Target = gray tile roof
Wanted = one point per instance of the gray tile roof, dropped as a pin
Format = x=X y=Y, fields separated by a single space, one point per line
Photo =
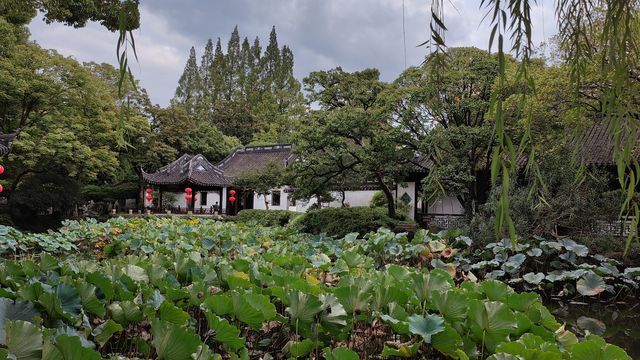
x=256 y=158
x=193 y=169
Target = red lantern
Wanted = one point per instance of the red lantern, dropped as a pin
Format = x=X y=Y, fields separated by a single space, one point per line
x=232 y=192
x=188 y=197
x=149 y=190
x=232 y=199
x=1 y=188
x=1 y=169
x=188 y=190
x=149 y=197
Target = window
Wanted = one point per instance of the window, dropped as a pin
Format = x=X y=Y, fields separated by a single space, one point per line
x=275 y=198
x=203 y=198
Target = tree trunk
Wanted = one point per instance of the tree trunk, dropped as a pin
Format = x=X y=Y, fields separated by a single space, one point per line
x=266 y=202
x=391 y=205
x=343 y=197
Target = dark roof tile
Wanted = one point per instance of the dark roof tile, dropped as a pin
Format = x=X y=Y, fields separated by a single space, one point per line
x=194 y=169
x=256 y=158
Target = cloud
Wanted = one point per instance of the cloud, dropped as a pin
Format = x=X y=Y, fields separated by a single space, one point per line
x=354 y=34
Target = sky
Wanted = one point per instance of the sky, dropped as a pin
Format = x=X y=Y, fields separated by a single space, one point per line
x=323 y=34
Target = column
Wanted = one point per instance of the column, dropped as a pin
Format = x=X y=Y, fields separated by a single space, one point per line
x=223 y=200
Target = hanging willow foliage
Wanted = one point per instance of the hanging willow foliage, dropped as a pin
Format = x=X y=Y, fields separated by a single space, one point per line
x=125 y=43
x=510 y=22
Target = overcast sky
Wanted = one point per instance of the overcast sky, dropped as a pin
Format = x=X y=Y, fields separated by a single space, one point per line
x=323 y=34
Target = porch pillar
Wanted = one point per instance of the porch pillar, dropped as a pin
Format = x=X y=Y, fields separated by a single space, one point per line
x=223 y=200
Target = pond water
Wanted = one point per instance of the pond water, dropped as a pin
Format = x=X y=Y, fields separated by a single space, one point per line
x=618 y=323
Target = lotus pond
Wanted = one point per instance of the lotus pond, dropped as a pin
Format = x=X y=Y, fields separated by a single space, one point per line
x=201 y=289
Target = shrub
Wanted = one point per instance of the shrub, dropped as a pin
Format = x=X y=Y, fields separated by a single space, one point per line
x=266 y=217
x=341 y=221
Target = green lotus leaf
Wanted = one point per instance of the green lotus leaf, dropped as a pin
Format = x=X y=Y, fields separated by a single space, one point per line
x=447 y=341
x=590 y=284
x=173 y=314
x=172 y=341
x=491 y=320
x=402 y=351
x=253 y=309
x=301 y=348
x=66 y=347
x=10 y=310
x=426 y=326
x=125 y=312
x=302 y=307
x=219 y=304
x=595 y=348
x=355 y=298
x=136 y=273
x=204 y=353
x=23 y=340
x=452 y=304
x=340 y=354
x=533 y=278
x=594 y=326
x=424 y=283
x=89 y=299
x=225 y=333
x=105 y=331
x=522 y=301
x=495 y=290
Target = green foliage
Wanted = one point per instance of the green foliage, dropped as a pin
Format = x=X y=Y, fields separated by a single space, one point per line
x=43 y=193
x=342 y=221
x=262 y=181
x=574 y=200
x=266 y=217
x=350 y=140
x=191 y=288
x=75 y=14
x=246 y=93
x=119 y=191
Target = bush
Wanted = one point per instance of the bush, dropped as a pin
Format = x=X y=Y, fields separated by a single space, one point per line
x=266 y=217
x=342 y=221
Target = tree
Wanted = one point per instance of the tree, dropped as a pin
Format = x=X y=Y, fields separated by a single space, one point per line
x=444 y=117
x=350 y=137
x=263 y=181
x=190 y=84
x=244 y=93
x=73 y=13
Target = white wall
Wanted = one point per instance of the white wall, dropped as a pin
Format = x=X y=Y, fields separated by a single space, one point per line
x=353 y=198
x=448 y=205
x=258 y=201
x=212 y=198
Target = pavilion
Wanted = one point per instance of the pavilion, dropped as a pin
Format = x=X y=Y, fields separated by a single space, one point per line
x=206 y=180
x=212 y=185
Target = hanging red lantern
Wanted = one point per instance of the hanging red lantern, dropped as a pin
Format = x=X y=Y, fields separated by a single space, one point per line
x=232 y=192
x=1 y=169
x=1 y=188
x=149 y=190
x=188 y=197
x=149 y=197
x=188 y=190
x=232 y=199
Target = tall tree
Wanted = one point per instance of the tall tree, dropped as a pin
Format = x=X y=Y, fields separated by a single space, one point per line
x=349 y=137
x=206 y=80
x=189 y=85
x=444 y=115
x=233 y=67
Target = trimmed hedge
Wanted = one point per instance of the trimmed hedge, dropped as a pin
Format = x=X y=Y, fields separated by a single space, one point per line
x=266 y=217
x=128 y=190
x=342 y=221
